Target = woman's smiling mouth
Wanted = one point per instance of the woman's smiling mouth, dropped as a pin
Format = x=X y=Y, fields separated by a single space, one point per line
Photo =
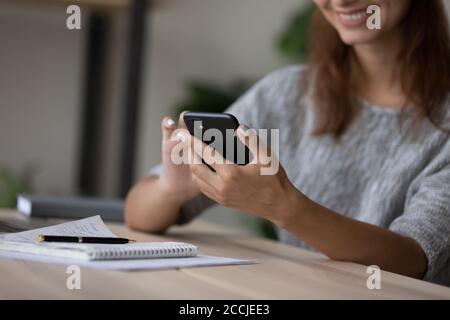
x=353 y=18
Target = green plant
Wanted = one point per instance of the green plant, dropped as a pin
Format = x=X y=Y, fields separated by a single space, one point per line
x=205 y=97
x=293 y=41
x=11 y=184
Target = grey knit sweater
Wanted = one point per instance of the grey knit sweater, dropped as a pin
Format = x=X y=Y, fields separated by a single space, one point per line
x=379 y=172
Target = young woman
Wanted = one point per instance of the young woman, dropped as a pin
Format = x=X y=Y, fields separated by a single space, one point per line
x=364 y=145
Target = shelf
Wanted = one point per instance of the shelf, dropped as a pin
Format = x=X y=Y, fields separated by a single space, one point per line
x=100 y=4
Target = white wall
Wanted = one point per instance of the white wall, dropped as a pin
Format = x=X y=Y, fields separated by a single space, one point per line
x=40 y=70
x=41 y=81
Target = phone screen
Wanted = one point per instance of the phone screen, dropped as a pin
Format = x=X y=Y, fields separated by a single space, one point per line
x=219 y=131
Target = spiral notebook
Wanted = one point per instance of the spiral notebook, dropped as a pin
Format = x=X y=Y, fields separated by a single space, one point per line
x=104 y=251
x=126 y=257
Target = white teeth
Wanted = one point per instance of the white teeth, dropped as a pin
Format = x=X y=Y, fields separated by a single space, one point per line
x=353 y=16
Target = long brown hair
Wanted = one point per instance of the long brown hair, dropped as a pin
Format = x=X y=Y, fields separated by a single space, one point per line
x=423 y=68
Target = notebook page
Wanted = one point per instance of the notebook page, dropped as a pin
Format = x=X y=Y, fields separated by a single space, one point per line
x=89 y=227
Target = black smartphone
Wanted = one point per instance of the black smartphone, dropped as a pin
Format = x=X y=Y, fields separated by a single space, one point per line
x=219 y=131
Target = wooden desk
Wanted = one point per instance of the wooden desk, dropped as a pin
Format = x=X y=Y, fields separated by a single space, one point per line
x=283 y=272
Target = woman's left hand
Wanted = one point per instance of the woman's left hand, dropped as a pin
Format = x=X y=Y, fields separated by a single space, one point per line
x=245 y=188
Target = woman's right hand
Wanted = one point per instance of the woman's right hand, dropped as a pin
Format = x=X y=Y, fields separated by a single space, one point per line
x=175 y=179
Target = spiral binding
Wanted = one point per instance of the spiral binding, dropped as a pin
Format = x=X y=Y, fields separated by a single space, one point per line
x=142 y=251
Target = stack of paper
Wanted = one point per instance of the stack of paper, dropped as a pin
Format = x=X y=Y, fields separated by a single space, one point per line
x=94 y=227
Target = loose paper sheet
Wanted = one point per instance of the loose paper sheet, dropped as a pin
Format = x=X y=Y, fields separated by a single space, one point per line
x=94 y=227
x=89 y=227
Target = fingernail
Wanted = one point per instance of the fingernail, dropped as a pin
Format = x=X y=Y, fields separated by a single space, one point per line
x=244 y=128
x=180 y=137
x=169 y=123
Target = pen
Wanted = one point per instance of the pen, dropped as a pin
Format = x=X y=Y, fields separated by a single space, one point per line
x=104 y=240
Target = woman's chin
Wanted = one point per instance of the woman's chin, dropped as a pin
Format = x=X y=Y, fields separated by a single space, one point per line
x=357 y=38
